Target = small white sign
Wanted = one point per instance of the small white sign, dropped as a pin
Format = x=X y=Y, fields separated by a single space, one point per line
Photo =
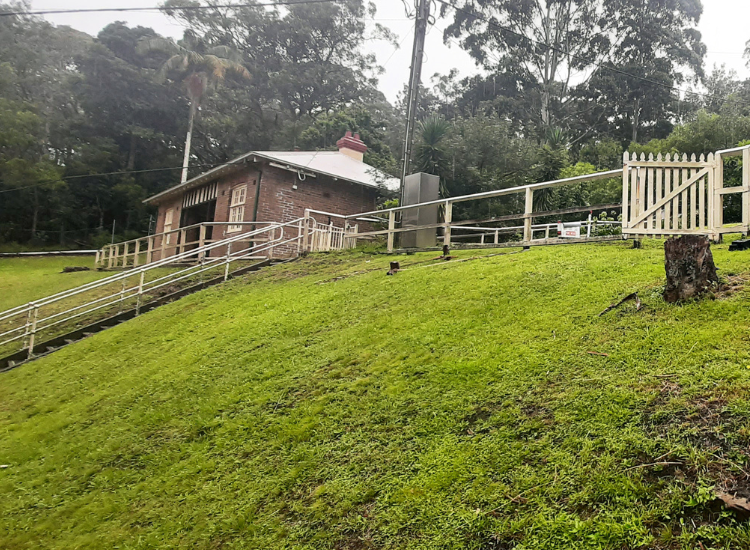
x=569 y=231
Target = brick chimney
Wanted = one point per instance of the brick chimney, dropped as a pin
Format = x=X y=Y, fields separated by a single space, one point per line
x=352 y=146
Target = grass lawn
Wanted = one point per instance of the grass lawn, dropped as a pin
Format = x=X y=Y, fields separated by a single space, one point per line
x=324 y=405
x=30 y=278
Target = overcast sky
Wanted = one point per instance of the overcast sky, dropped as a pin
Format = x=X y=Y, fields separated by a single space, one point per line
x=724 y=26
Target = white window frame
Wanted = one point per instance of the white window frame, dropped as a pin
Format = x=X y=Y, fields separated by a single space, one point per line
x=168 y=221
x=237 y=208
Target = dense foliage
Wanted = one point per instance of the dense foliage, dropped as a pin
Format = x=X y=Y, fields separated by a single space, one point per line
x=564 y=82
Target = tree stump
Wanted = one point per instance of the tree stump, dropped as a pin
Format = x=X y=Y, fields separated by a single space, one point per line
x=690 y=267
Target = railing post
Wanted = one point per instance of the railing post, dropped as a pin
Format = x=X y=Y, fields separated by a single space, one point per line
x=27 y=327
x=202 y=243
x=716 y=182
x=528 y=210
x=391 y=227
x=140 y=293
x=150 y=249
x=299 y=237
x=109 y=257
x=125 y=248
x=746 y=190
x=226 y=266
x=96 y=259
x=448 y=219
x=546 y=232
x=306 y=231
x=32 y=335
x=588 y=227
x=497 y=236
x=137 y=252
x=163 y=246
x=122 y=296
x=625 y=190
x=183 y=239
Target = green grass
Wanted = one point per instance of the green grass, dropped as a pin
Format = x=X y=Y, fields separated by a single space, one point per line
x=30 y=278
x=325 y=405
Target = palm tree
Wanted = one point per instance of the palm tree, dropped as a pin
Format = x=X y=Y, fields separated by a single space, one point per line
x=430 y=154
x=201 y=67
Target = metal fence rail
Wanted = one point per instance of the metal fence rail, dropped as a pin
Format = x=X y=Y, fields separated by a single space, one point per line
x=25 y=323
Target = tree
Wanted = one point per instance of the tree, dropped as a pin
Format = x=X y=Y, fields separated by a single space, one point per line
x=545 y=42
x=430 y=153
x=659 y=40
x=309 y=60
x=200 y=67
x=372 y=122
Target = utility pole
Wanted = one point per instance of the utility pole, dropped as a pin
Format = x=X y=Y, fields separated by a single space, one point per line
x=415 y=77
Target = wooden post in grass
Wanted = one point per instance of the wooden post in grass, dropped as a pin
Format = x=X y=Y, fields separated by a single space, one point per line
x=391 y=227
x=528 y=210
x=137 y=252
x=690 y=267
x=448 y=219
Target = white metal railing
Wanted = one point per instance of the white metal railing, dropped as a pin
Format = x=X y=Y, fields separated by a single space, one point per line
x=528 y=230
x=323 y=238
x=145 y=250
x=661 y=196
x=26 y=322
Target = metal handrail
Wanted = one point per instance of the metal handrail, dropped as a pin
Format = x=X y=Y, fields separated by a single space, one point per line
x=33 y=325
x=153 y=265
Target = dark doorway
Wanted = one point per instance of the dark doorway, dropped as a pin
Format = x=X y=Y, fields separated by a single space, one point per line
x=199 y=213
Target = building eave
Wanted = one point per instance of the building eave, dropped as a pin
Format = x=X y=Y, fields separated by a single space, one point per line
x=252 y=156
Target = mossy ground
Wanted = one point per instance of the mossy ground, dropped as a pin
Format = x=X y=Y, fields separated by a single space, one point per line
x=323 y=404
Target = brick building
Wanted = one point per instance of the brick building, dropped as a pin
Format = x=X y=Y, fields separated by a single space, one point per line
x=273 y=186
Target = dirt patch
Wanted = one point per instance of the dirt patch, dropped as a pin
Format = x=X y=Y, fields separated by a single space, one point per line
x=709 y=426
x=733 y=284
x=476 y=421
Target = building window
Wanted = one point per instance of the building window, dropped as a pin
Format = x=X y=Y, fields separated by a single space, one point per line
x=168 y=216
x=237 y=208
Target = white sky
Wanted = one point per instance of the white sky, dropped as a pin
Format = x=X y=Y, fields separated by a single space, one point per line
x=724 y=26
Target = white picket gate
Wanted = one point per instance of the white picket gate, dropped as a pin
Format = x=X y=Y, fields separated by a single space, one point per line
x=679 y=195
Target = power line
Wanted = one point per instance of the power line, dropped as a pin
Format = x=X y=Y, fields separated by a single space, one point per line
x=568 y=53
x=158 y=8
x=398 y=46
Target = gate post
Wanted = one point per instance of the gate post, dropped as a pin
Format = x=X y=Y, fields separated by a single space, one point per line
x=625 y=193
x=716 y=207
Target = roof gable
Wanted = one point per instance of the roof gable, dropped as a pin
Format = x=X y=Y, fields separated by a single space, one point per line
x=329 y=163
